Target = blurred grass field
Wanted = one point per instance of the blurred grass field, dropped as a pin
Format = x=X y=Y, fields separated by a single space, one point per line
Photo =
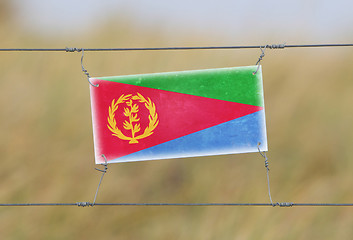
x=47 y=146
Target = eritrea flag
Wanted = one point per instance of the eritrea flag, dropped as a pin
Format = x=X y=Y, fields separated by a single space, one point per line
x=178 y=114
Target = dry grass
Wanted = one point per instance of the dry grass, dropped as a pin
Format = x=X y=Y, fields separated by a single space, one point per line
x=47 y=150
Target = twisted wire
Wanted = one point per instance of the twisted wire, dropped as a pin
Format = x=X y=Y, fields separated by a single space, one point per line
x=105 y=164
x=263 y=154
x=88 y=204
x=269 y=46
x=83 y=69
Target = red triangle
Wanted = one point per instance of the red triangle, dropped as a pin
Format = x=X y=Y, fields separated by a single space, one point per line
x=178 y=115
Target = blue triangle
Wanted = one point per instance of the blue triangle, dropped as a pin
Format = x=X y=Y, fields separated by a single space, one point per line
x=240 y=135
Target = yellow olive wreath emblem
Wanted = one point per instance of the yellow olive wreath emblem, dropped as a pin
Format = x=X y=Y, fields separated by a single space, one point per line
x=131 y=112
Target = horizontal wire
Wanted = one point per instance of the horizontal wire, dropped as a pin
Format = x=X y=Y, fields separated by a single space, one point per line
x=272 y=46
x=85 y=204
x=35 y=204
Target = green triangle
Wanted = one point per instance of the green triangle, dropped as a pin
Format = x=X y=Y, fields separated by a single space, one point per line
x=229 y=84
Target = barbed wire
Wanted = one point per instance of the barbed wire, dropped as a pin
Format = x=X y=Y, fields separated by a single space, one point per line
x=269 y=46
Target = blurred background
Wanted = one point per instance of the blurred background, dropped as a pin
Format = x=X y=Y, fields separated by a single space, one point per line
x=46 y=138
